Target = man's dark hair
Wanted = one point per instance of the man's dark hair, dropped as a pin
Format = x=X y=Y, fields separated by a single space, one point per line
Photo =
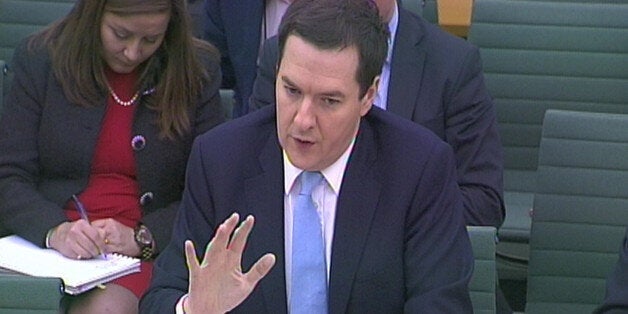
x=338 y=24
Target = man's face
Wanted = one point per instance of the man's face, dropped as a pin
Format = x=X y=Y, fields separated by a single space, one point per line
x=318 y=104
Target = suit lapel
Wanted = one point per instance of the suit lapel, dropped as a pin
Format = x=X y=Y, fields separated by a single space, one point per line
x=264 y=198
x=355 y=209
x=407 y=66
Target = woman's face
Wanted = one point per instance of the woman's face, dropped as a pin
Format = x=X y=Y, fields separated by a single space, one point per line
x=128 y=40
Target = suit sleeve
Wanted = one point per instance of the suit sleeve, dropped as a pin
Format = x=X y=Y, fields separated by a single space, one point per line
x=438 y=258
x=194 y=222
x=23 y=210
x=471 y=129
x=264 y=86
x=616 y=300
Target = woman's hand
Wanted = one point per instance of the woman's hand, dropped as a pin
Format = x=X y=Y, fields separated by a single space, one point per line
x=78 y=240
x=118 y=238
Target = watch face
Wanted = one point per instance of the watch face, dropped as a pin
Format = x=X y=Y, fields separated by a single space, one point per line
x=144 y=236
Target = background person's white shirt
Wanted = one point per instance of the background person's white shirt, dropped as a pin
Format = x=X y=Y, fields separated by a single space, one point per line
x=381 y=99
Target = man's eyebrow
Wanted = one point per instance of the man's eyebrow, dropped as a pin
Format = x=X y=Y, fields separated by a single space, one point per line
x=286 y=80
x=332 y=93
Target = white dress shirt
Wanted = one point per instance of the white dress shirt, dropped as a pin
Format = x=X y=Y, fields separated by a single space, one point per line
x=325 y=197
x=273 y=12
x=381 y=99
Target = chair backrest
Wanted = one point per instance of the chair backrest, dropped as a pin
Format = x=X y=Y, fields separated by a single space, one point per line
x=589 y=1
x=414 y=6
x=18 y=19
x=430 y=11
x=24 y=294
x=580 y=210
x=539 y=55
x=482 y=285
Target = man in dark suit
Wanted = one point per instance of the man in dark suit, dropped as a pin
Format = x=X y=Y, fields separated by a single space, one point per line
x=616 y=300
x=389 y=205
x=434 y=79
x=234 y=27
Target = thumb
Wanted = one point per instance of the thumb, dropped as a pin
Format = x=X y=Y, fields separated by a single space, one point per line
x=190 y=258
x=260 y=268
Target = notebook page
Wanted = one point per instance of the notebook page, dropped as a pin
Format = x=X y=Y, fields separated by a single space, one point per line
x=24 y=257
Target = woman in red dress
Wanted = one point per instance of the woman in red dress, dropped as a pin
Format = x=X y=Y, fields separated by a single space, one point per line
x=103 y=108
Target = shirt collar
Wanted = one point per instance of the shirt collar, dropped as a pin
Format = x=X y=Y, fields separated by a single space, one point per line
x=333 y=174
x=392 y=28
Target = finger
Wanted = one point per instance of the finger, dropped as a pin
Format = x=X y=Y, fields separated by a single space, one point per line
x=190 y=257
x=100 y=223
x=260 y=269
x=80 y=252
x=221 y=237
x=81 y=239
x=94 y=235
x=240 y=236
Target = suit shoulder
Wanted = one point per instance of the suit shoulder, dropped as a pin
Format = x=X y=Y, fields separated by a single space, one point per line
x=435 y=39
x=392 y=129
x=243 y=131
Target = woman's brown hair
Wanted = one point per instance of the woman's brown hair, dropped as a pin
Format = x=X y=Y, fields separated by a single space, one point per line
x=175 y=70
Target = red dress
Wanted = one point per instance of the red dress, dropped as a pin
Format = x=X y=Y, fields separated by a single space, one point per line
x=112 y=190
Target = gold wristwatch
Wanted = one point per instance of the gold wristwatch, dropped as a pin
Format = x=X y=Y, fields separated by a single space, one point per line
x=144 y=240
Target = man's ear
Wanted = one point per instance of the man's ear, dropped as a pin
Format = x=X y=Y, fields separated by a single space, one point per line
x=369 y=97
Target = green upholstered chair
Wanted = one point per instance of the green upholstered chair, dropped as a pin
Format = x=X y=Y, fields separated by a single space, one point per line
x=482 y=285
x=580 y=210
x=18 y=19
x=539 y=55
x=414 y=6
x=430 y=11
x=589 y=1
x=29 y=295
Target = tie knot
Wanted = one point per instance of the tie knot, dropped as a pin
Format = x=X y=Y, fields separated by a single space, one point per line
x=309 y=180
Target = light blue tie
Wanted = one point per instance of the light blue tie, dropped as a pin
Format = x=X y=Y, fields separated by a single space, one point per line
x=309 y=272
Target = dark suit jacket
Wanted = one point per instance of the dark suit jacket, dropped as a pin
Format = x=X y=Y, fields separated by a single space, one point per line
x=399 y=242
x=436 y=80
x=234 y=27
x=47 y=145
x=616 y=300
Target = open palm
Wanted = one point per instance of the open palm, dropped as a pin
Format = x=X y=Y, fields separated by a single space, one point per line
x=217 y=284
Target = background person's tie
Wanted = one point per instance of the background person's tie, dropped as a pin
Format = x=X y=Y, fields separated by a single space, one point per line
x=309 y=272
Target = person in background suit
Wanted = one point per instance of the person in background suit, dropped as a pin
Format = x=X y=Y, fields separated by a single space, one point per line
x=237 y=29
x=102 y=111
x=434 y=79
x=616 y=300
x=196 y=9
x=389 y=209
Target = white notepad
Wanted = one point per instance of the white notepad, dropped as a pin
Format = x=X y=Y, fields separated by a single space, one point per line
x=78 y=276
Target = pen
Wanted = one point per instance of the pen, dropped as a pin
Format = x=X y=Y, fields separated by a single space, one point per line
x=83 y=213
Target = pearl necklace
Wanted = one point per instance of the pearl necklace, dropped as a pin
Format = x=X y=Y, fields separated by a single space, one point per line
x=123 y=103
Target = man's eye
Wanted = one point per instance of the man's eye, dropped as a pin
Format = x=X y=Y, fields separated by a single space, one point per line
x=291 y=90
x=331 y=101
